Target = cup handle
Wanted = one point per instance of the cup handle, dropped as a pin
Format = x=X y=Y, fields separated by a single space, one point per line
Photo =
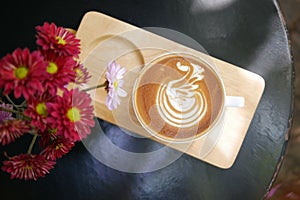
x=234 y=101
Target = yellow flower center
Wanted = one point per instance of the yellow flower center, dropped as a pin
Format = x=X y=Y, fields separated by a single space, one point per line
x=73 y=114
x=41 y=109
x=52 y=68
x=59 y=146
x=21 y=72
x=52 y=131
x=79 y=75
x=60 y=40
x=116 y=83
x=28 y=167
x=79 y=72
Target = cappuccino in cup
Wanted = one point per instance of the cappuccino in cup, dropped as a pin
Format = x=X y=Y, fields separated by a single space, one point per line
x=178 y=97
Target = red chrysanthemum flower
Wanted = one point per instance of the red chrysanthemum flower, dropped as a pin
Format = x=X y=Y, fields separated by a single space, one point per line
x=27 y=166
x=57 y=148
x=72 y=115
x=47 y=136
x=37 y=110
x=60 y=71
x=10 y=130
x=58 y=40
x=82 y=74
x=22 y=73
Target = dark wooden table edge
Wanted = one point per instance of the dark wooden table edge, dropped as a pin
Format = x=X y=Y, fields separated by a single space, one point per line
x=290 y=121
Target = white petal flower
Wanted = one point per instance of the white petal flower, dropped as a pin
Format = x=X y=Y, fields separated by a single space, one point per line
x=114 y=76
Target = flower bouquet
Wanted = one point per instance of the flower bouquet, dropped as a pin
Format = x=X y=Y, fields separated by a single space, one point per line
x=41 y=96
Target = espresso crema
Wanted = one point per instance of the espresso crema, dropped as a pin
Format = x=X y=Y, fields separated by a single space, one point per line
x=178 y=97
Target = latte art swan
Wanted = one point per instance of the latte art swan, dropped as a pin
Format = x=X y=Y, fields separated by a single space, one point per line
x=178 y=97
x=181 y=102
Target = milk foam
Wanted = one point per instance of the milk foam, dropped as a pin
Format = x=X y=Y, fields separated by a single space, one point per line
x=181 y=103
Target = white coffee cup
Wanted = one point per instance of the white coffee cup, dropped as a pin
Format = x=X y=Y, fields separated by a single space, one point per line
x=179 y=97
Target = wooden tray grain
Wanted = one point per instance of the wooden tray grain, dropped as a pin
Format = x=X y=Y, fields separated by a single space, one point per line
x=104 y=38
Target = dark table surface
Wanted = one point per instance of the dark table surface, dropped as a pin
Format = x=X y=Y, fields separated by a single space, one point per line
x=249 y=34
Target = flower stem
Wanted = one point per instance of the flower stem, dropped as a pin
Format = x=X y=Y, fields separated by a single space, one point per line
x=32 y=143
x=9 y=110
x=16 y=112
x=9 y=99
x=95 y=87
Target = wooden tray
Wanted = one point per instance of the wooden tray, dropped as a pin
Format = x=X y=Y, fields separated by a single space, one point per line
x=104 y=38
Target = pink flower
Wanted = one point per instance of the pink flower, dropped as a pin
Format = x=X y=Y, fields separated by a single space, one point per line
x=82 y=74
x=285 y=190
x=292 y=196
x=27 y=166
x=72 y=115
x=5 y=115
x=10 y=130
x=57 y=148
x=273 y=191
x=47 y=136
x=114 y=76
x=37 y=110
x=22 y=72
x=60 y=71
x=50 y=111
x=57 y=40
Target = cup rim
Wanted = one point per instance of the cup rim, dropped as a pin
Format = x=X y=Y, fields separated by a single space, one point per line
x=196 y=136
